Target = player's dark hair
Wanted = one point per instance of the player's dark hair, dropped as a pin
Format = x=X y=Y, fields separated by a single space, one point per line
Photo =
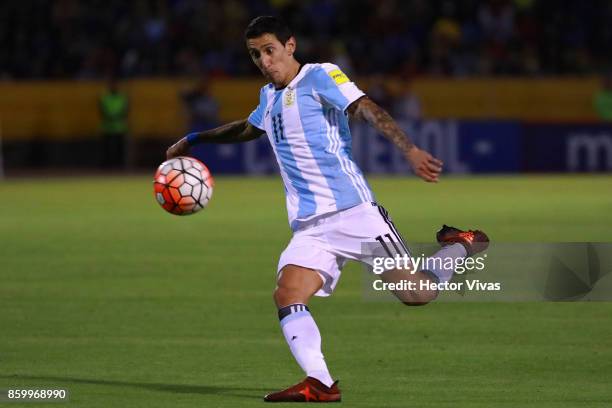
x=268 y=25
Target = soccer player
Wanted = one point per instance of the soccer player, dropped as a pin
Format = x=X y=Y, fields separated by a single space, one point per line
x=304 y=111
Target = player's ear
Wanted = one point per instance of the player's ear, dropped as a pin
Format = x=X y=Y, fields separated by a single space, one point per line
x=290 y=46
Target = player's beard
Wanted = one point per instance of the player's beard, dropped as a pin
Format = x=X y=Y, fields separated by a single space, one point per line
x=274 y=77
x=266 y=75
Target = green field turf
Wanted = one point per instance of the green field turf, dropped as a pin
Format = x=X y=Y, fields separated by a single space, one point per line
x=104 y=294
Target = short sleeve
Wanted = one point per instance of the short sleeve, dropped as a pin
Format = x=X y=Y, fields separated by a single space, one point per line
x=256 y=118
x=335 y=88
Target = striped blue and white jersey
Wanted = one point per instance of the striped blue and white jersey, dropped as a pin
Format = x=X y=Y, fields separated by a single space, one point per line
x=308 y=129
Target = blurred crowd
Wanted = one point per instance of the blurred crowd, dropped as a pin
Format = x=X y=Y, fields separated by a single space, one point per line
x=101 y=38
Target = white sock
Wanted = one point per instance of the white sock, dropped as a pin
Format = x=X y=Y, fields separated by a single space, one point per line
x=304 y=340
x=443 y=272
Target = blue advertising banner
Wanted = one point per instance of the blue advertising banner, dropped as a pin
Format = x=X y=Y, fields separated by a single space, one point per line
x=566 y=148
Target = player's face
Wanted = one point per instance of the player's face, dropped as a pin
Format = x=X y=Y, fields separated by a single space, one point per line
x=272 y=57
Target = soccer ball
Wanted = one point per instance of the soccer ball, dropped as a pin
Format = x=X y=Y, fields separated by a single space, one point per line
x=183 y=185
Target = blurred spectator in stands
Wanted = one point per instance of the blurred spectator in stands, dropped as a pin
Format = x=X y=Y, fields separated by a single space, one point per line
x=379 y=91
x=444 y=42
x=78 y=39
x=114 y=109
x=496 y=19
x=603 y=99
x=201 y=107
x=187 y=62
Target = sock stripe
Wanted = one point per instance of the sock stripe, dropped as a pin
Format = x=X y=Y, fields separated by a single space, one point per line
x=290 y=309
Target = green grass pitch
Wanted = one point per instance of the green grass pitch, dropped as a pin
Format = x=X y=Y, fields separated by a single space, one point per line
x=104 y=294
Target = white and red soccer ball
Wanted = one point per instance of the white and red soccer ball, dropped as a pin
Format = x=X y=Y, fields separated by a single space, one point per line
x=183 y=185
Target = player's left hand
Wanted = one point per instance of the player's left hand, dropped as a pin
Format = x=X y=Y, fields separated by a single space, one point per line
x=424 y=164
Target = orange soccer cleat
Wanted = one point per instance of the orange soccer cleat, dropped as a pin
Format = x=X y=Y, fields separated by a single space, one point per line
x=474 y=241
x=309 y=390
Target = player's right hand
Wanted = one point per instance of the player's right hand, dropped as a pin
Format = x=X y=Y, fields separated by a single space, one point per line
x=425 y=165
x=180 y=148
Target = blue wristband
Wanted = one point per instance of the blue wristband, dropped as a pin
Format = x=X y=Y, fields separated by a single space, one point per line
x=192 y=138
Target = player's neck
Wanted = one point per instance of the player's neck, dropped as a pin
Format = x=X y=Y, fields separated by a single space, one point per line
x=293 y=72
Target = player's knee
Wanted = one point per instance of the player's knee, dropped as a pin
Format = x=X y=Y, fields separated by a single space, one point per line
x=278 y=294
x=284 y=296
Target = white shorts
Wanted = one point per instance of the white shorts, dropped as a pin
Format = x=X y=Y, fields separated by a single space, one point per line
x=327 y=242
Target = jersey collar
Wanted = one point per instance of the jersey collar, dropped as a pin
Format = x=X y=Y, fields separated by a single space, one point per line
x=301 y=72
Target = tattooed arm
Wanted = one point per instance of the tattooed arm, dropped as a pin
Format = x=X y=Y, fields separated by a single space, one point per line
x=424 y=164
x=235 y=132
